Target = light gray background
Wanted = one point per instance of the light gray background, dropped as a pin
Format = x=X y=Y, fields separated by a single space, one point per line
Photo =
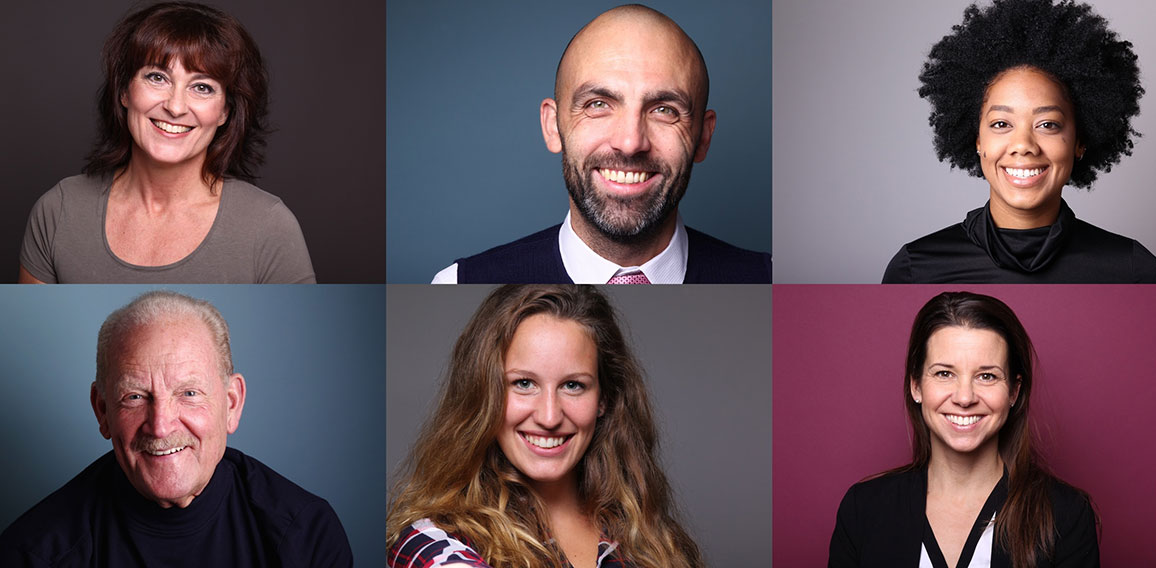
x=707 y=354
x=466 y=165
x=326 y=83
x=313 y=361
x=857 y=176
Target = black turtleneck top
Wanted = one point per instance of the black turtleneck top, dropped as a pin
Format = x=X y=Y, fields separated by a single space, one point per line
x=247 y=515
x=1069 y=251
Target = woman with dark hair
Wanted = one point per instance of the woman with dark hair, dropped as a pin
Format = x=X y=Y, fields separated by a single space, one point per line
x=165 y=195
x=1030 y=95
x=543 y=449
x=975 y=494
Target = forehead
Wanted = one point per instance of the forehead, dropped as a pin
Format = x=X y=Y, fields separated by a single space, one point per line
x=1026 y=88
x=631 y=52
x=546 y=341
x=961 y=345
x=170 y=343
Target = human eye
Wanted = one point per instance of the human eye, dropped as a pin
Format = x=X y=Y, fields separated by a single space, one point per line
x=1051 y=125
x=666 y=112
x=1000 y=125
x=942 y=374
x=574 y=386
x=204 y=89
x=155 y=77
x=522 y=384
x=987 y=378
x=596 y=107
x=190 y=393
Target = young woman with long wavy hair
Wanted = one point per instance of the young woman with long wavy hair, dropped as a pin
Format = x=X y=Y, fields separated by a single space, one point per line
x=543 y=449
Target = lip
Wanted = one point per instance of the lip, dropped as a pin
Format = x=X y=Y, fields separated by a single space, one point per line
x=156 y=127
x=967 y=428
x=627 y=189
x=171 y=455
x=1028 y=181
x=546 y=452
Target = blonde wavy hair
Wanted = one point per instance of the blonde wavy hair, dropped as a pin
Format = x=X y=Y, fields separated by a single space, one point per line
x=475 y=493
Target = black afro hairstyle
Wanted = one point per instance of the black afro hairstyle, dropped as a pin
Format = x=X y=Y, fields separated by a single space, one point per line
x=1064 y=40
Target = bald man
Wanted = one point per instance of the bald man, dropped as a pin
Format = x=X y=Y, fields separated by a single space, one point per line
x=629 y=117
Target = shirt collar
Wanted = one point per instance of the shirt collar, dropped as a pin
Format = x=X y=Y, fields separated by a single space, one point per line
x=585 y=266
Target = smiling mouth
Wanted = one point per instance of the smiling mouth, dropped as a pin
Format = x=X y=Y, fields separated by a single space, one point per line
x=962 y=420
x=170 y=127
x=621 y=176
x=1022 y=173
x=545 y=442
x=167 y=452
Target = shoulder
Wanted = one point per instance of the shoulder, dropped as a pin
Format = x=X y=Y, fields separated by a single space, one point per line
x=1069 y=504
x=424 y=545
x=63 y=525
x=79 y=189
x=249 y=198
x=718 y=261
x=288 y=511
x=886 y=490
x=534 y=258
x=1127 y=255
x=1076 y=524
x=908 y=265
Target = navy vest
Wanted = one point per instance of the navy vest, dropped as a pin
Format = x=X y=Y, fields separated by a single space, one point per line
x=535 y=259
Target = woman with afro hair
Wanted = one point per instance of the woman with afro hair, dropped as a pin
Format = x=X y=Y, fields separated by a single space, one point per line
x=1032 y=96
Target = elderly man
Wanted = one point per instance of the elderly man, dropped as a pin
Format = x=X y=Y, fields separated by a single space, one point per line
x=629 y=117
x=171 y=493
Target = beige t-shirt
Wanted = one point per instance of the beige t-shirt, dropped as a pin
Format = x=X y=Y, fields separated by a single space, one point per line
x=254 y=239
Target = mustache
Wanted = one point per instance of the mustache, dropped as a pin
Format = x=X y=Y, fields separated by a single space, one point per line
x=150 y=444
x=619 y=161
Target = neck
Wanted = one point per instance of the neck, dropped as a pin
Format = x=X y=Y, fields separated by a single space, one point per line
x=633 y=253
x=953 y=472
x=162 y=184
x=1006 y=217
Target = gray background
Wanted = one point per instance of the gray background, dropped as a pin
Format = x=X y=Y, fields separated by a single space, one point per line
x=707 y=354
x=857 y=175
x=467 y=167
x=312 y=359
x=325 y=158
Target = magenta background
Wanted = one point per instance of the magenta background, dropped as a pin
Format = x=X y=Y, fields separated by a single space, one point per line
x=838 y=402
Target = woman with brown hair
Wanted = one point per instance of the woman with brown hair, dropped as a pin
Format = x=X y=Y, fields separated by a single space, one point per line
x=165 y=196
x=542 y=451
x=976 y=493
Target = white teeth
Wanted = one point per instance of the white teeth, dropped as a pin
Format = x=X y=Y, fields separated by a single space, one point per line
x=171 y=128
x=166 y=452
x=962 y=420
x=620 y=176
x=1022 y=173
x=542 y=442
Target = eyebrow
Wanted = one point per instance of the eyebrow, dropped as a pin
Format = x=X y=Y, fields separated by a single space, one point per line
x=669 y=95
x=1037 y=110
x=197 y=76
x=980 y=368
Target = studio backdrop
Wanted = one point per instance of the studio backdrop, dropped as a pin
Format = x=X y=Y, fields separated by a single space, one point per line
x=840 y=415
x=314 y=371
x=705 y=351
x=466 y=166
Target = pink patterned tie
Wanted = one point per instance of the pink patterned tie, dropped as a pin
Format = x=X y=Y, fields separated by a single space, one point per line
x=632 y=278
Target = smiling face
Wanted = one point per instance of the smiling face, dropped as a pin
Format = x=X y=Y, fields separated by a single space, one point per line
x=552 y=398
x=629 y=121
x=173 y=114
x=167 y=409
x=1027 y=146
x=965 y=391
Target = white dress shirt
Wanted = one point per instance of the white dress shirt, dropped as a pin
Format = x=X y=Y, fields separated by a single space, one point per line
x=584 y=266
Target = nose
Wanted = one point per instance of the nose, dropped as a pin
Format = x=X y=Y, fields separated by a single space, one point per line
x=549 y=412
x=964 y=393
x=175 y=103
x=162 y=418
x=1024 y=142
x=630 y=133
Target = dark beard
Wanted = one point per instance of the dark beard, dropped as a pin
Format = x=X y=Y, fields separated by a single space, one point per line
x=630 y=220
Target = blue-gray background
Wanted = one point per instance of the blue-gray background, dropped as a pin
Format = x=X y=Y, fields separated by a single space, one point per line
x=313 y=358
x=466 y=167
x=857 y=175
x=706 y=351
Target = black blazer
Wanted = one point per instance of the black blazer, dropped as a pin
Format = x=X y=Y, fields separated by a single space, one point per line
x=881 y=523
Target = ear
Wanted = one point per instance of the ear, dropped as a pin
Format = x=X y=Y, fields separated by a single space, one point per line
x=224 y=117
x=1080 y=149
x=549 y=116
x=124 y=99
x=235 y=399
x=100 y=409
x=708 y=121
x=1014 y=395
x=916 y=391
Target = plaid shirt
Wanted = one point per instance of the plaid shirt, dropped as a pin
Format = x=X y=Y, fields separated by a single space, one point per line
x=423 y=545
